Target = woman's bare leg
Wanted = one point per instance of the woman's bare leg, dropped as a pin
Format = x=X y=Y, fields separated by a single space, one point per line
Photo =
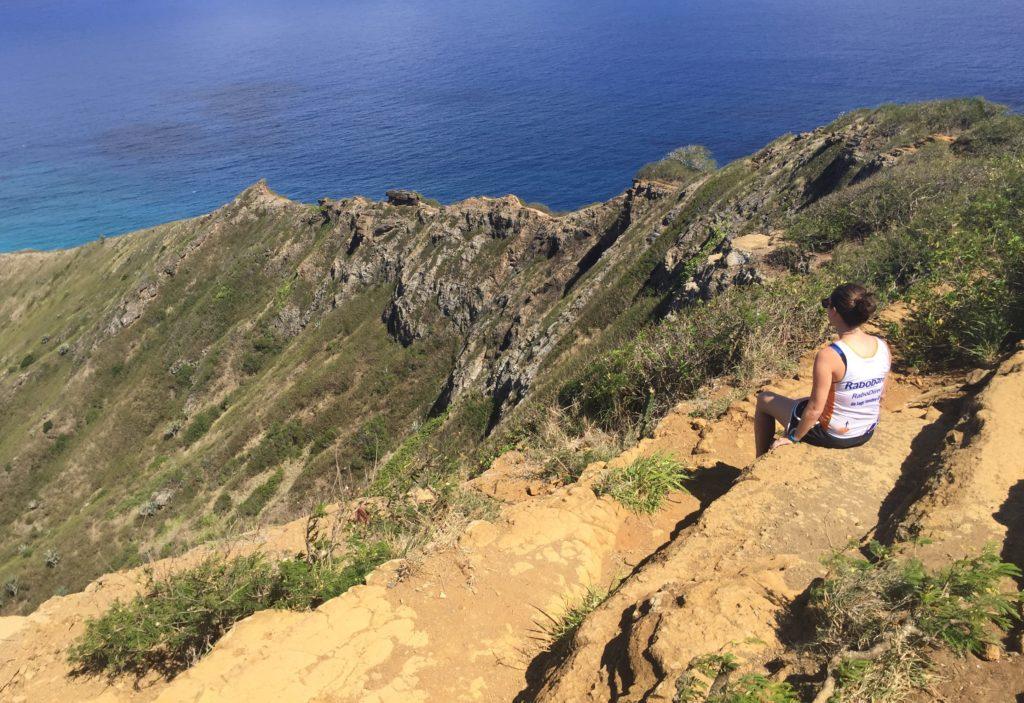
x=771 y=407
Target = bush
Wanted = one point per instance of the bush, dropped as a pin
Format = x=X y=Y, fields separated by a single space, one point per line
x=201 y=424
x=178 y=619
x=395 y=476
x=322 y=440
x=695 y=685
x=283 y=440
x=749 y=332
x=263 y=347
x=683 y=164
x=969 y=306
x=566 y=464
x=643 y=485
x=877 y=619
x=261 y=495
x=27 y=360
x=223 y=504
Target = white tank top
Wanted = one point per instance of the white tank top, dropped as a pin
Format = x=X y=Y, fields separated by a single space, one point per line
x=853 y=401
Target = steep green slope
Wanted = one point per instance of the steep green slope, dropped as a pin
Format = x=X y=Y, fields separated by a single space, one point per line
x=178 y=383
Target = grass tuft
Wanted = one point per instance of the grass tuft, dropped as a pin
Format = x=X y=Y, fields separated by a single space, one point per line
x=877 y=620
x=643 y=485
x=565 y=626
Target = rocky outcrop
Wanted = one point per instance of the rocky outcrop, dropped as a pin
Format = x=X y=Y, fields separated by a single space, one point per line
x=764 y=190
x=403 y=197
x=486 y=271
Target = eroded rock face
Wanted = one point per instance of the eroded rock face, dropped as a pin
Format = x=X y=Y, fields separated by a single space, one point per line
x=485 y=271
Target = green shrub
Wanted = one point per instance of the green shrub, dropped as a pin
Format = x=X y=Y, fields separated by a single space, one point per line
x=395 y=476
x=540 y=206
x=564 y=626
x=877 y=620
x=223 y=504
x=263 y=347
x=566 y=464
x=261 y=495
x=178 y=619
x=283 y=440
x=47 y=426
x=683 y=164
x=695 y=684
x=969 y=307
x=322 y=440
x=643 y=485
x=201 y=424
x=369 y=443
x=27 y=360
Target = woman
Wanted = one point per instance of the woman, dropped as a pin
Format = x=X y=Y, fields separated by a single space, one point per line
x=849 y=378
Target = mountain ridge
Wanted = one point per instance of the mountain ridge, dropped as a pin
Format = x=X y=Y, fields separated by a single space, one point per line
x=159 y=381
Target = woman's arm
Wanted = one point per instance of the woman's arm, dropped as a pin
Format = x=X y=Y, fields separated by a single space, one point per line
x=825 y=364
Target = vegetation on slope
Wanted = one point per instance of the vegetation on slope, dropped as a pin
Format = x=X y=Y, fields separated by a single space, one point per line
x=242 y=385
x=877 y=624
x=878 y=620
x=950 y=247
x=178 y=619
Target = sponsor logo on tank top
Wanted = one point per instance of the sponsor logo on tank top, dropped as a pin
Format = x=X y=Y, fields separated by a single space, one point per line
x=858 y=385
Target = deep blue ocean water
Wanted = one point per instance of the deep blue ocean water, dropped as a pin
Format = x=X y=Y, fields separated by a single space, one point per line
x=120 y=114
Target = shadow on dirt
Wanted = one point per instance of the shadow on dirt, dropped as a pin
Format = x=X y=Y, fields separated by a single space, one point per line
x=917 y=471
x=707 y=486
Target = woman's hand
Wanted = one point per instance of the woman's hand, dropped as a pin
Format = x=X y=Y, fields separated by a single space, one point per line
x=781 y=442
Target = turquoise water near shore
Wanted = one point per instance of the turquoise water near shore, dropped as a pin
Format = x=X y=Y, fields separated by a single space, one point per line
x=117 y=115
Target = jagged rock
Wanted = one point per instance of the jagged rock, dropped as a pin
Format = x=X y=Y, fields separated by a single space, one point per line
x=157 y=502
x=403 y=197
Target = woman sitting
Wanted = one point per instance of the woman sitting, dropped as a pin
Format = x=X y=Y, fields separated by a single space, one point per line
x=849 y=378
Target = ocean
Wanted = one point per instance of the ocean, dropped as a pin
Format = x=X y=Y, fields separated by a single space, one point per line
x=118 y=115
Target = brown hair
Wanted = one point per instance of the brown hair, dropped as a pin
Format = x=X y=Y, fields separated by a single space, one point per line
x=854 y=303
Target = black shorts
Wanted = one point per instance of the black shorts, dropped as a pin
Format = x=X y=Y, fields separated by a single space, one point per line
x=818 y=437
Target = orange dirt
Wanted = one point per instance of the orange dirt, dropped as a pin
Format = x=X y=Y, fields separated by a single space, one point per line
x=713 y=571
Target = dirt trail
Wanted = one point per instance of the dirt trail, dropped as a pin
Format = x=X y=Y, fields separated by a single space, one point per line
x=977 y=496
x=723 y=584
x=710 y=570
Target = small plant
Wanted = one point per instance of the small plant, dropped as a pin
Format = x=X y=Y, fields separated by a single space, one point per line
x=643 y=485
x=565 y=626
x=878 y=619
x=566 y=464
x=27 y=360
x=47 y=426
x=51 y=558
x=283 y=440
x=707 y=680
x=201 y=424
x=261 y=495
x=12 y=587
x=223 y=504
